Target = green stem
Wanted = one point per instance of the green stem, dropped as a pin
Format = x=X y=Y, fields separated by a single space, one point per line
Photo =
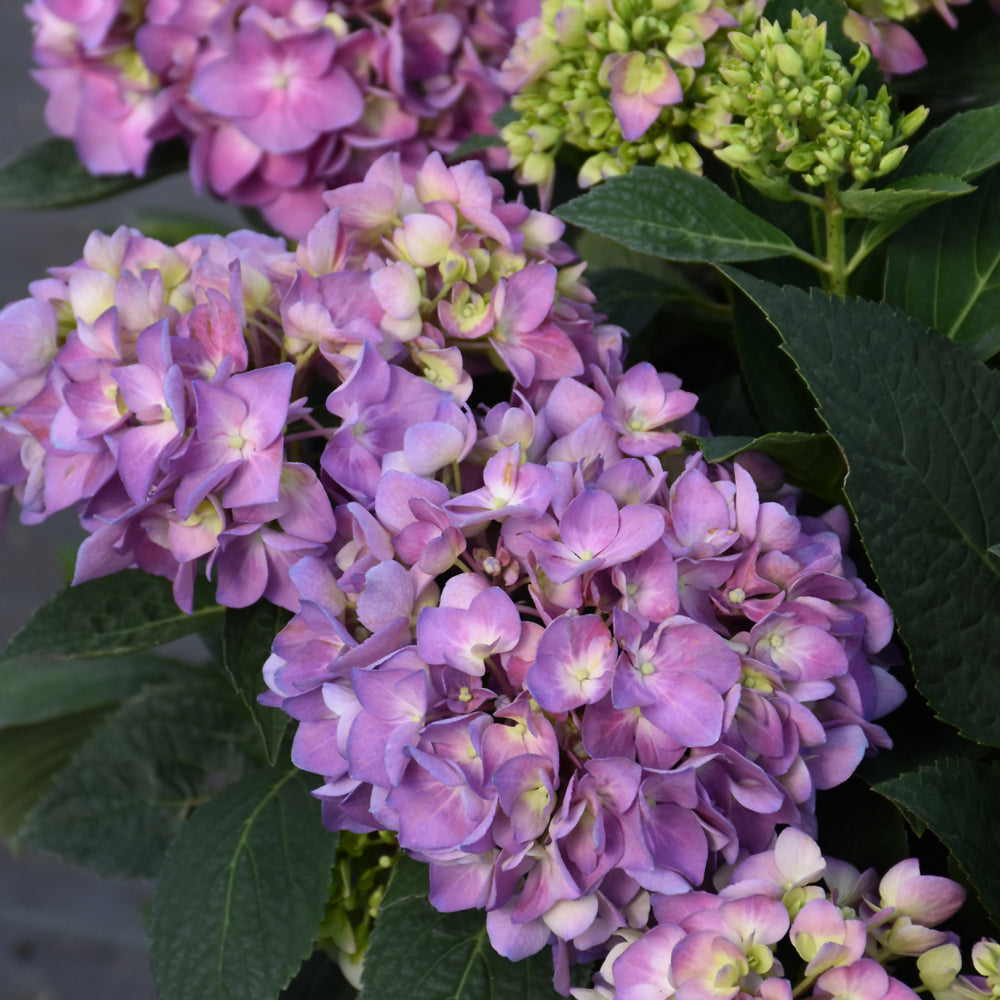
x=836 y=270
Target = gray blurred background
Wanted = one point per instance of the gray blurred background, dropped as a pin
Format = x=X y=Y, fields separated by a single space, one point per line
x=64 y=935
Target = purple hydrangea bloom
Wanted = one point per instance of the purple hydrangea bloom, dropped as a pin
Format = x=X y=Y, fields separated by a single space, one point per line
x=278 y=101
x=574 y=668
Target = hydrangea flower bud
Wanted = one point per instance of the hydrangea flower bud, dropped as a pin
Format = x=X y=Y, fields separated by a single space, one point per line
x=798 y=112
x=619 y=80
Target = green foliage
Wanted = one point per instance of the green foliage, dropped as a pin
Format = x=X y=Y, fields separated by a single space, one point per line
x=37 y=690
x=780 y=399
x=111 y=616
x=50 y=175
x=247 y=639
x=945 y=269
x=123 y=797
x=241 y=891
x=964 y=146
x=958 y=801
x=812 y=461
x=669 y=213
x=417 y=952
x=903 y=198
x=30 y=756
x=919 y=423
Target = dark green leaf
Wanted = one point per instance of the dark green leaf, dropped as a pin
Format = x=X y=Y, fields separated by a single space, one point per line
x=964 y=146
x=242 y=891
x=474 y=144
x=116 y=614
x=29 y=758
x=670 y=213
x=121 y=800
x=247 y=640
x=902 y=199
x=35 y=690
x=417 y=952
x=917 y=739
x=177 y=227
x=630 y=299
x=779 y=396
x=811 y=461
x=958 y=800
x=919 y=423
x=50 y=175
x=945 y=269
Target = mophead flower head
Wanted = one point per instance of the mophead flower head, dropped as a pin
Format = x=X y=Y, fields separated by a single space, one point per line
x=619 y=80
x=277 y=102
x=563 y=678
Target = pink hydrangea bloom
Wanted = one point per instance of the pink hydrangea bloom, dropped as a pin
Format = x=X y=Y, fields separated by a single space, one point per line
x=278 y=102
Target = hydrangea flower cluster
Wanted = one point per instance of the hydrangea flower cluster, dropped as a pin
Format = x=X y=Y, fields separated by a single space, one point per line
x=845 y=933
x=620 y=79
x=566 y=663
x=153 y=386
x=800 y=112
x=279 y=100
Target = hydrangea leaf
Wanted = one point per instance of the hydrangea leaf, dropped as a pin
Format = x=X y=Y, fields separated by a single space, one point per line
x=958 y=800
x=779 y=397
x=670 y=213
x=242 y=891
x=945 y=269
x=30 y=756
x=919 y=423
x=964 y=146
x=114 y=615
x=50 y=175
x=247 y=639
x=811 y=461
x=903 y=199
x=417 y=952
x=123 y=797
x=35 y=690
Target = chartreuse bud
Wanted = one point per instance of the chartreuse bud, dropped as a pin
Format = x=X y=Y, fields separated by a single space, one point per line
x=797 y=111
x=938 y=967
x=621 y=80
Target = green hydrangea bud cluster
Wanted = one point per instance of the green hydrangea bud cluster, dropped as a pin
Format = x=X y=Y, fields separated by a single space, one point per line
x=573 y=64
x=798 y=111
x=360 y=874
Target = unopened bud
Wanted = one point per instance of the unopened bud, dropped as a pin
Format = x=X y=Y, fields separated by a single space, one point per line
x=892 y=159
x=618 y=37
x=789 y=61
x=939 y=966
x=909 y=123
x=744 y=46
